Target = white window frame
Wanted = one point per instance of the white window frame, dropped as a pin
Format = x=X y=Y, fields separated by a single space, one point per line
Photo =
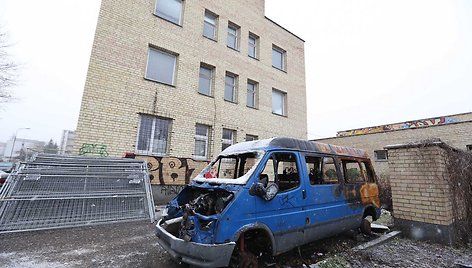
x=166 y=16
x=207 y=21
x=235 y=35
x=233 y=86
x=253 y=47
x=282 y=57
x=227 y=142
x=254 y=92
x=284 y=101
x=173 y=68
x=206 y=139
x=211 y=78
x=152 y=140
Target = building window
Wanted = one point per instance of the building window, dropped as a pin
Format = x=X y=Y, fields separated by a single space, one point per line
x=170 y=10
x=209 y=25
x=202 y=133
x=381 y=155
x=161 y=66
x=278 y=58
x=253 y=43
x=205 y=83
x=233 y=36
x=251 y=137
x=469 y=147
x=279 y=100
x=229 y=137
x=230 y=87
x=252 y=94
x=153 y=136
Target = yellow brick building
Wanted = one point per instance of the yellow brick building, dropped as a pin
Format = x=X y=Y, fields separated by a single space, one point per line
x=181 y=80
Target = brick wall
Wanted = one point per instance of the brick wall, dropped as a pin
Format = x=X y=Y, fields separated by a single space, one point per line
x=116 y=91
x=423 y=201
x=456 y=135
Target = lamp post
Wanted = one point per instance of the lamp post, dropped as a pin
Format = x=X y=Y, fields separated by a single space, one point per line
x=14 y=140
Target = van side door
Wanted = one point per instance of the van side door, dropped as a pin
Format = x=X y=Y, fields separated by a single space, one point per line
x=325 y=200
x=284 y=214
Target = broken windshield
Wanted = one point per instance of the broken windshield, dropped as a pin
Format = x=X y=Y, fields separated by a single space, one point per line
x=232 y=167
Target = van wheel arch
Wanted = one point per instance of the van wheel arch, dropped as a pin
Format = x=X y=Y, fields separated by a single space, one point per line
x=258 y=227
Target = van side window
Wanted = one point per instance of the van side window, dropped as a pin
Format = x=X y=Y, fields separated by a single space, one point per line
x=321 y=170
x=329 y=171
x=352 y=172
x=368 y=171
x=282 y=169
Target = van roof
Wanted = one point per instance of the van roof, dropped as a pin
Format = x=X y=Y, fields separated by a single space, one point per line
x=294 y=144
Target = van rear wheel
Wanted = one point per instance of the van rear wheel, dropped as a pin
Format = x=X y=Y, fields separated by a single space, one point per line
x=365 y=227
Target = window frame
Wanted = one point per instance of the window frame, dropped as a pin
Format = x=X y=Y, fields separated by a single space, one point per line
x=275 y=166
x=255 y=93
x=284 y=102
x=283 y=58
x=208 y=14
x=253 y=137
x=236 y=35
x=321 y=180
x=345 y=161
x=152 y=139
x=376 y=154
x=255 y=46
x=211 y=78
x=174 y=70
x=167 y=17
x=227 y=142
x=206 y=139
x=234 y=87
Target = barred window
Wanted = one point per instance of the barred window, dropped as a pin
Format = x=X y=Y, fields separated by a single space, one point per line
x=153 y=136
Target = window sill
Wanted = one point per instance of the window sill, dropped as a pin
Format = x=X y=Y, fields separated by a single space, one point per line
x=209 y=38
x=381 y=160
x=142 y=153
x=162 y=18
x=282 y=70
x=254 y=108
x=200 y=158
x=206 y=95
x=232 y=48
x=159 y=82
x=282 y=115
x=254 y=58
x=233 y=102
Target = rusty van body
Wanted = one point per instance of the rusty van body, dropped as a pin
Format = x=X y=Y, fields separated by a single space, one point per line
x=262 y=198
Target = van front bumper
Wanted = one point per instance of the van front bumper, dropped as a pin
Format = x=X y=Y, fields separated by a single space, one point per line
x=204 y=255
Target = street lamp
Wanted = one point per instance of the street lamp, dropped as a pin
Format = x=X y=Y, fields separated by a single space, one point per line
x=14 y=140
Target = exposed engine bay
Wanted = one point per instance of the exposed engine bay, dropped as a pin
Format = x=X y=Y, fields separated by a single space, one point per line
x=193 y=215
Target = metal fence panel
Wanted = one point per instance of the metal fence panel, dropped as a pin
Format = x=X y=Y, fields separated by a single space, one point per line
x=62 y=191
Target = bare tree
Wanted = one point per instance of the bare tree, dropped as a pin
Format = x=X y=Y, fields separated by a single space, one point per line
x=8 y=69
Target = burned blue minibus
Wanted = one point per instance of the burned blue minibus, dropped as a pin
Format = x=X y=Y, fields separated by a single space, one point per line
x=263 y=198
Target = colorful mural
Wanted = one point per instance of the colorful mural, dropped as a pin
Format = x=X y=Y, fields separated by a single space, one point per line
x=404 y=125
x=172 y=170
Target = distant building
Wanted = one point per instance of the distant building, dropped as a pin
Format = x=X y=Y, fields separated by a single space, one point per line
x=28 y=146
x=3 y=145
x=67 y=142
x=455 y=130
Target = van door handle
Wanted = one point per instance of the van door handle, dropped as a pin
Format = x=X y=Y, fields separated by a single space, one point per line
x=304 y=194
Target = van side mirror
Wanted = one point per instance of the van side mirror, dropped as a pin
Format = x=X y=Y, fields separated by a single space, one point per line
x=268 y=193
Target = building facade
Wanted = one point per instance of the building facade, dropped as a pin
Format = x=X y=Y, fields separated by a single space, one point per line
x=454 y=130
x=17 y=148
x=175 y=82
x=67 y=142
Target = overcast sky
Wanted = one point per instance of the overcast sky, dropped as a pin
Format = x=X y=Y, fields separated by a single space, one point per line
x=368 y=62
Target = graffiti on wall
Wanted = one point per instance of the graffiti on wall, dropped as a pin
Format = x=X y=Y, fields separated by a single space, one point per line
x=172 y=170
x=404 y=125
x=93 y=149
